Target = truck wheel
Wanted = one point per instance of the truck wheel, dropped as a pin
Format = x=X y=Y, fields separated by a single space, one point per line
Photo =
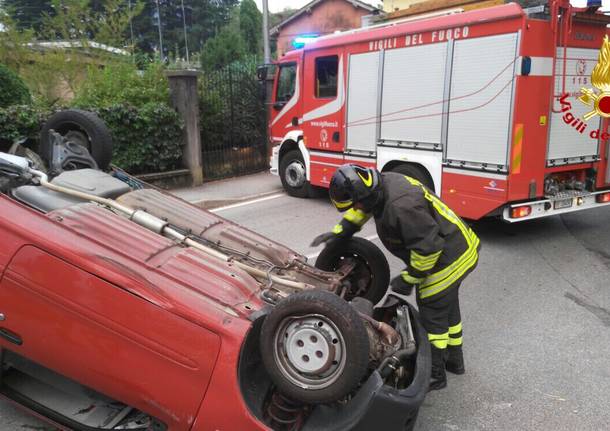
x=294 y=175
x=315 y=347
x=419 y=173
x=83 y=128
x=371 y=276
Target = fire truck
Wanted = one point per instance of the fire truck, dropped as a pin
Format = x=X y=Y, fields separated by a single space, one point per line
x=484 y=107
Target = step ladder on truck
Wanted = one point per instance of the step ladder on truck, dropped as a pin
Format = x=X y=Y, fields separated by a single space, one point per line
x=486 y=107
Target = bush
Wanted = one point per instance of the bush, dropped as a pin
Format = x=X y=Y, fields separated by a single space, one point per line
x=123 y=83
x=146 y=139
x=12 y=89
x=19 y=122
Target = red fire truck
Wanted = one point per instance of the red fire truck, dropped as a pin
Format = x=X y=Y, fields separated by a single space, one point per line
x=481 y=106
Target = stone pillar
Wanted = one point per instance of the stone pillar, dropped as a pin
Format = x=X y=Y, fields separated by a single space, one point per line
x=185 y=99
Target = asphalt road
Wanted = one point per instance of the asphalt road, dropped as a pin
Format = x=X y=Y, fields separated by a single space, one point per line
x=536 y=320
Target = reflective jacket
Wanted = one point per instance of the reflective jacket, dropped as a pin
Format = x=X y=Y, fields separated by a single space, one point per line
x=438 y=248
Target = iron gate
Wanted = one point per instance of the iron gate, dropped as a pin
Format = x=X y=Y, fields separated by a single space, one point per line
x=233 y=122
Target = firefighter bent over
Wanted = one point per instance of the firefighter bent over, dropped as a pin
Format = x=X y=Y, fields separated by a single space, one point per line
x=438 y=248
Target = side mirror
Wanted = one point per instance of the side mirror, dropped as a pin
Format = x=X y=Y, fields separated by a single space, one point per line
x=261 y=72
x=279 y=105
x=13 y=166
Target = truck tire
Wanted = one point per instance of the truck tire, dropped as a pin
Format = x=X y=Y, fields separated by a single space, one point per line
x=371 y=277
x=81 y=127
x=315 y=347
x=417 y=172
x=294 y=175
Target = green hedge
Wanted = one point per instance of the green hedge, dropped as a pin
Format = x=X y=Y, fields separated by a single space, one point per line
x=18 y=122
x=146 y=139
x=12 y=89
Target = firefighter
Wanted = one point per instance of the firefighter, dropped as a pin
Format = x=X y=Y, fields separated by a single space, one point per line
x=438 y=248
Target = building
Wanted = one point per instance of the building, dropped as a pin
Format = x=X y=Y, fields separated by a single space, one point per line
x=319 y=18
x=394 y=5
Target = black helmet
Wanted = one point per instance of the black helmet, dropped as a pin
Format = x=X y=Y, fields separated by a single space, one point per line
x=352 y=184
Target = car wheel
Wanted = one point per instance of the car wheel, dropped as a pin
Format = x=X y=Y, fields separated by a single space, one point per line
x=294 y=174
x=315 y=347
x=83 y=128
x=419 y=173
x=371 y=276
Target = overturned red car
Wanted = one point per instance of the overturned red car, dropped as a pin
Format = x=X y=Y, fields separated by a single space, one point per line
x=125 y=308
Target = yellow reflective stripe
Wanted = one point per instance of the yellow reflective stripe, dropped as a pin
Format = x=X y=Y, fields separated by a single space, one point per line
x=342 y=205
x=337 y=229
x=410 y=279
x=429 y=290
x=439 y=341
x=424 y=263
x=357 y=217
x=423 y=257
x=441 y=280
x=455 y=329
x=454 y=341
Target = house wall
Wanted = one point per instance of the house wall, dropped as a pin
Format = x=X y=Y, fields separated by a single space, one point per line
x=394 y=5
x=325 y=18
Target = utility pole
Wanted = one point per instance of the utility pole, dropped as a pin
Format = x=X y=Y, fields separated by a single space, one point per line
x=186 y=41
x=131 y=28
x=266 y=51
x=160 y=35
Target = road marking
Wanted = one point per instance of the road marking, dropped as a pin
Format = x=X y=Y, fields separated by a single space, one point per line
x=242 y=204
x=314 y=255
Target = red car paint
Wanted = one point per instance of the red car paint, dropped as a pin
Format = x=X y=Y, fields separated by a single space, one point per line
x=121 y=310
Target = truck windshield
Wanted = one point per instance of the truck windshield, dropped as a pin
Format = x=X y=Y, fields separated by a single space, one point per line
x=286 y=82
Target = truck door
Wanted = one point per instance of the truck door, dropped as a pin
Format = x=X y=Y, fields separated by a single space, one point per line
x=285 y=101
x=324 y=99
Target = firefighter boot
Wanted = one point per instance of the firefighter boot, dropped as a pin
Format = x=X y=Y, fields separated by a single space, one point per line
x=455 y=360
x=438 y=378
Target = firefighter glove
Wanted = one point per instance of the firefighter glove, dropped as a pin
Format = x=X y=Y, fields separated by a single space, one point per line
x=325 y=237
x=400 y=286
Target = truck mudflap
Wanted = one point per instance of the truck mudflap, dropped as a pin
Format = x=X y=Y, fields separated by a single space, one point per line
x=562 y=203
x=378 y=405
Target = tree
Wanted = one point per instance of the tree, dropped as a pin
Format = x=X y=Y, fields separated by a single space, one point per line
x=204 y=19
x=250 y=25
x=27 y=14
x=222 y=49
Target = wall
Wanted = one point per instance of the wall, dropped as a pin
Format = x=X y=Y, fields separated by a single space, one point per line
x=325 y=18
x=394 y=5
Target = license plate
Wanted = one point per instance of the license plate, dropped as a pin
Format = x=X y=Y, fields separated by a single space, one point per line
x=563 y=203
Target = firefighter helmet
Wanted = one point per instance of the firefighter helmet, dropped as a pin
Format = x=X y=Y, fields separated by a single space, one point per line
x=352 y=184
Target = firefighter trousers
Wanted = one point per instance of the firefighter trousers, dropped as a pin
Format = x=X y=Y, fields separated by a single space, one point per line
x=442 y=319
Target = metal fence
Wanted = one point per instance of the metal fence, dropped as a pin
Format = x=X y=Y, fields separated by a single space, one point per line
x=233 y=122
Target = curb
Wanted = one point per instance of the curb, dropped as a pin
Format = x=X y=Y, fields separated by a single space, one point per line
x=208 y=204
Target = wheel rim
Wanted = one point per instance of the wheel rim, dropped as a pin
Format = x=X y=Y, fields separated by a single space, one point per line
x=295 y=174
x=310 y=351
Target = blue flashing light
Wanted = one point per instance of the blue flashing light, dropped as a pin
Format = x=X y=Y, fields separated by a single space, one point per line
x=594 y=3
x=304 y=39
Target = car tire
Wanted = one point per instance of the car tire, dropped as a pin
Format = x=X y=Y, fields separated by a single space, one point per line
x=294 y=174
x=416 y=172
x=315 y=347
x=373 y=266
x=82 y=127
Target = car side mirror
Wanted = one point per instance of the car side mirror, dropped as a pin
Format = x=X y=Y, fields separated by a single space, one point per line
x=279 y=105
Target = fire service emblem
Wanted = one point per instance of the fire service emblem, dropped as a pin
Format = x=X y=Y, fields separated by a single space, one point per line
x=600 y=78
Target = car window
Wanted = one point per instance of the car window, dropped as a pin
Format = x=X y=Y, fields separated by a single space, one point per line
x=326 y=76
x=286 y=82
